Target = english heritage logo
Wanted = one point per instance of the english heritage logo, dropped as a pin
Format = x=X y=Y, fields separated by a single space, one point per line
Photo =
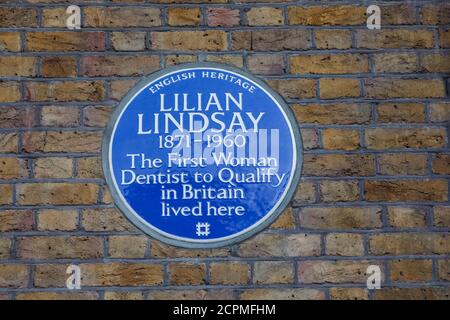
x=202 y=155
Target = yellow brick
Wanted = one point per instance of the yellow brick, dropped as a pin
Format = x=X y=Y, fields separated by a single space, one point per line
x=57 y=220
x=327 y=15
x=265 y=16
x=212 y=40
x=332 y=88
x=184 y=16
x=53 y=167
x=329 y=63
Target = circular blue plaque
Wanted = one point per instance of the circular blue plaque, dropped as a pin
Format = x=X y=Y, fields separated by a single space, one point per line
x=202 y=155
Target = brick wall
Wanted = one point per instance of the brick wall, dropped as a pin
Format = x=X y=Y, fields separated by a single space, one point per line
x=373 y=107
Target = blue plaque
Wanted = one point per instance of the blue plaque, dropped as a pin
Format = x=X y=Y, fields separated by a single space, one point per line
x=202 y=155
